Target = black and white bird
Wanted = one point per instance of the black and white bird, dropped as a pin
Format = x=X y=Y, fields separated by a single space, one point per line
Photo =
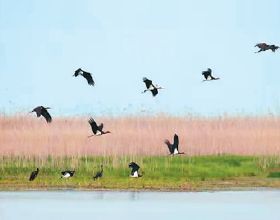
x=208 y=75
x=34 y=174
x=97 y=129
x=151 y=87
x=264 y=47
x=173 y=148
x=134 y=169
x=67 y=173
x=42 y=111
x=86 y=75
x=99 y=173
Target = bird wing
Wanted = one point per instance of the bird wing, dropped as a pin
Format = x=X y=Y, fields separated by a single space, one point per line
x=262 y=45
x=154 y=91
x=77 y=72
x=176 y=142
x=93 y=125
x=169 y=145
x=148 y=82
x=37 y=110
x=33 y=175
x=100 y=127
x=46 y=115
x=134 y=169
x=89 y=78
x=205 y=74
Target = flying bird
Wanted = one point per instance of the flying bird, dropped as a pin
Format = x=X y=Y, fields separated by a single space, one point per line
x=173 y=148
x=86 y=75
x=40 y=110
x=208 y=75
x=151 y=87
x=34 y=174
x=99 y=174
x=67 y=173
x=96 y=129
x=134 y=169
x=264 y=47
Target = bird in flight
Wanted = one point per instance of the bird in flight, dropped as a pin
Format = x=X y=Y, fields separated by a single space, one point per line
x=173 y=148
x=86 y=75
x=97 y=129
x=67 y=173
x=134 y=169
x=151 y=87
x=40 y=110
x=208 y=75
x=99 y=174
x=264 y=47
x=34 y=174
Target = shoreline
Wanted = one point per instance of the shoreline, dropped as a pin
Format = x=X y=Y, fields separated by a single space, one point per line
x=213 y=186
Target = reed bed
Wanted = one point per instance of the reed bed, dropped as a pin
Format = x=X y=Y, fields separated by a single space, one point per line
x=28 y=136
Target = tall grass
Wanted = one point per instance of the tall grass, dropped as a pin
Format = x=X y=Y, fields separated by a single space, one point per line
x=29 y=136
x=159 y=172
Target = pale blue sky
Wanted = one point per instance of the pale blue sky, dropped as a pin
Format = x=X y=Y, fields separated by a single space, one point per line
x=171 y=42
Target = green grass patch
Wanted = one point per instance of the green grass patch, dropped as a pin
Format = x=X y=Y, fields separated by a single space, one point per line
x=159 y=172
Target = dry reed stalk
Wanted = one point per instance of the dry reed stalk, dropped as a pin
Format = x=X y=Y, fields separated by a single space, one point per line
x=29 y=136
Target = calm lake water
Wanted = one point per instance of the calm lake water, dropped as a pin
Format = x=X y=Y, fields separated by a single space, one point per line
x=51 y=205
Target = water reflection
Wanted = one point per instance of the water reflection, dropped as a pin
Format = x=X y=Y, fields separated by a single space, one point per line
x=70 y=205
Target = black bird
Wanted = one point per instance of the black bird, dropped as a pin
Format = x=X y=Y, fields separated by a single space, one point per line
x=96 y=129
x=173 y=148
x=264 y=47
x=151 y=87
x=34 y=174
x=134 y=169
x=99 y=174
x=67 y=173
x=208 y=75
x=40 y=110
x=86 y=75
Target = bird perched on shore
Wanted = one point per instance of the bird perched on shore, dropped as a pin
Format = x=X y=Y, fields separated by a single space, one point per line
x=99 y=174
x=264 y=47
x=42 y=111
x=34 y=174
x=151 y=87
x=97 y=129
x=86 y=75
x=208 y=75
x=134 y=169
x=173 y=148
x=67 y=173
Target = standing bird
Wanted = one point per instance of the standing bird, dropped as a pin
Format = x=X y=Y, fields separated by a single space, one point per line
x=173 y=148
x=99 y=174
x=34 y=174
x=264 y=47
x=134 y=169
x=151 y=87
x=96 y=129
x=86 y=75
x=40 y=110
x=67 y=173
x=208 y=75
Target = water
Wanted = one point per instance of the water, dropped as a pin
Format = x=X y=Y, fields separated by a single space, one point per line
x=50 y=205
